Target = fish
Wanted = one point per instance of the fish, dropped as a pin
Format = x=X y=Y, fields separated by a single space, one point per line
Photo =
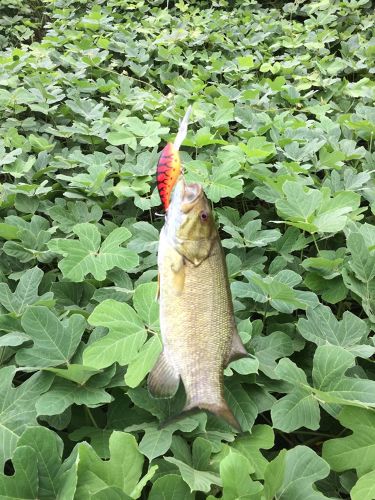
x=198 y=328
x=169 y=167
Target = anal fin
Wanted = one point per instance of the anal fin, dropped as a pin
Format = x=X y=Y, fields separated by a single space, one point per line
x=237 y=350
x=163 y=379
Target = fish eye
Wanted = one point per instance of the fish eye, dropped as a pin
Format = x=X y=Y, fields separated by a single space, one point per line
x=203 y=216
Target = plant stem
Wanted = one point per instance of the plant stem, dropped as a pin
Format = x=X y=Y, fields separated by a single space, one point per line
x=315 y=243
x=91 y=417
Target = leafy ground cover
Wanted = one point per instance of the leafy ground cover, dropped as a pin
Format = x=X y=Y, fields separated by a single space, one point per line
x=282 y=139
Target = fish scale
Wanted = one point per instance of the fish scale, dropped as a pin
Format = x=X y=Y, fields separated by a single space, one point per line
x=202 y=348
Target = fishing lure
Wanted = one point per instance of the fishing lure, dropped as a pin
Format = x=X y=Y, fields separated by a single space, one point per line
x=167 y=172
x=169 y=166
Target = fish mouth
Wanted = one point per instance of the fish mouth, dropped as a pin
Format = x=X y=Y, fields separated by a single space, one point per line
x=191 y=193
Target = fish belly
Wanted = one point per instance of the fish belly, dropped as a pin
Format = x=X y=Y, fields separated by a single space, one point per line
x=197 y=322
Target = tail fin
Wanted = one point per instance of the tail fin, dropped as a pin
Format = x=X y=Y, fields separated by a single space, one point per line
x=220 y=409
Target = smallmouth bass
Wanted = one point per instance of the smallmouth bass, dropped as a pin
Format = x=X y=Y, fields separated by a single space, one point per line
x=196 y=313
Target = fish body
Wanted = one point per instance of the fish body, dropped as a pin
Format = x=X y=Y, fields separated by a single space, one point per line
x=168 y=171
x=196 y=313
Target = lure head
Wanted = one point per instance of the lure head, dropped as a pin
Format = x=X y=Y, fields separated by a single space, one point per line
x=167 y=172
x=190 y=223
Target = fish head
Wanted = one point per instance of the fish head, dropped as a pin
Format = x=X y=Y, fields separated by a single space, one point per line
x=190 y=223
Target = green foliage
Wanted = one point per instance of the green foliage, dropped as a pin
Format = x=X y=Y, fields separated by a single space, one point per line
x=282 y=140
x=355 y=451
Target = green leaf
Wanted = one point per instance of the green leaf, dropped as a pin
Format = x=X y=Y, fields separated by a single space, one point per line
x=33 y=236
x=300 y=203
x=364 y=293
x=331 y=291
x=98 y=438
x=360 y=272
x=291 y=476
x=198 y=479
x=122 y=471
x=86 y=255
x=122 y=136
x=93 y=181
x=327 y=267
x=13 y=339
x=54 y=343
x=9 y=157
x=24 y=482
x=315 y=211
x=250 y=235
x=146 y=304
x=20 y=167
x=258 y=149
x=235 y=474
x=48 y=448
x=170 y=487
x=330 y=365
x=299 y=408
x=223 y=186
x=157 y=441
x=17 y=408
x=67 y=215
x=8 y=232
x=240 y=401
x=145 y=239
x=25 y=294
x=69 y=295
x=64 y=393
x=261 y=437
x=39 y=143
x=204 y=137
x=144 y=362
x=245 y=62
x=364 y=488
x=277 y=290
x=356 y=451
x=125 y=338
x=76 y=373
x=362 y=261
x=87 y=108
x=321 y=327
x=269 y=348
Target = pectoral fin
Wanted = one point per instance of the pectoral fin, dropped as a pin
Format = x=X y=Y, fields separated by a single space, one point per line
x=163 y=379
x=178 y=269
x=238 y=350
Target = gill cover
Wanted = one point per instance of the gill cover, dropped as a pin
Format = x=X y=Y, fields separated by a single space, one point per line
x=190 y=224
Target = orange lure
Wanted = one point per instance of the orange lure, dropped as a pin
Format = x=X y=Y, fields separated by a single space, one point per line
x=169 y=166
x=167 y=172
